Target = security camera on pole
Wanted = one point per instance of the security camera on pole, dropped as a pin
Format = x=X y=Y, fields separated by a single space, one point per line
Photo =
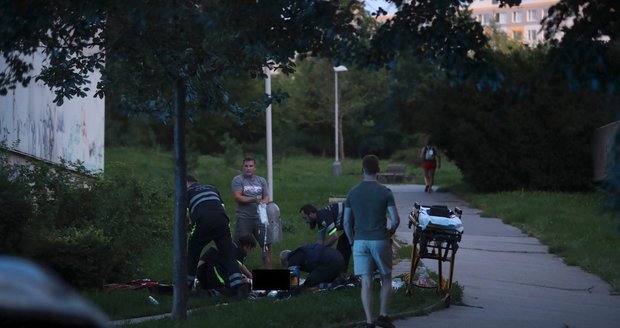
x=336 y=168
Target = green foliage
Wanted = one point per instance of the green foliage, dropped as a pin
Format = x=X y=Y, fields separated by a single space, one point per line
x=15 y=209
x=88 y=230
x=297 y=180
x=80 y=255
x=587 y=51
x=517 y=137
x=308 y=310
x=124 y=304
x=132 y=131
x=306 y=120
x=232 y=151
x=27 y=27
x=447 y=176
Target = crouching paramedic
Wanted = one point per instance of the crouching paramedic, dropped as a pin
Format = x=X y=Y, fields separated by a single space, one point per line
x=209 y=222
x=329 y=221
x=212 y=272
x=324 y=264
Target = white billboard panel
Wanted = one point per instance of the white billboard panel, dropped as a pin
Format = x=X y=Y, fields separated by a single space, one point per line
x=31 y=124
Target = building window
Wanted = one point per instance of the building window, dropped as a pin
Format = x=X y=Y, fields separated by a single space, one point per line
x=494 y=2
x=484 y=19
x=502 y=18
x=543 y=13
x=531 y=16
x=517 y=36
x=532 y=35
x=516 y=17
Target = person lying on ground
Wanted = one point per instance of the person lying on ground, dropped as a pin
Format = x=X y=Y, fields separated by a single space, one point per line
x=329 y=222
x=212 y=273
x=323 y=264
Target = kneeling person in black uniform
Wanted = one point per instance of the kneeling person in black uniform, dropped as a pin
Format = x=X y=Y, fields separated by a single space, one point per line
x=212 y=272
x=324 y=264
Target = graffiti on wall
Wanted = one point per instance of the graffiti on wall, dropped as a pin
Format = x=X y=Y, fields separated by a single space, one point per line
x=31 y=124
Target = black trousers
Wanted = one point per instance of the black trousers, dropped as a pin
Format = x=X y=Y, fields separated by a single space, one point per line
x=207 y=229
x=208 y=277
x=326 y=271
x=344 y=248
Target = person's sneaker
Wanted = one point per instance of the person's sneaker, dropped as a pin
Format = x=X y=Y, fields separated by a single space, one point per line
x=384 y=321
x=425 y=188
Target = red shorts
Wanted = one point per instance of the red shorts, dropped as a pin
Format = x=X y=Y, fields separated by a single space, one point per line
x=429 y=165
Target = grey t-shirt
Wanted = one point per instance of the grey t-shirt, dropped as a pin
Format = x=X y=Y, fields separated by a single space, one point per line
x=256 y=186
x=368 y=202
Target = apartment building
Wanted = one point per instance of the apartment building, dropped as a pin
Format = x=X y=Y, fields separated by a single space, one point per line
x=520 y=23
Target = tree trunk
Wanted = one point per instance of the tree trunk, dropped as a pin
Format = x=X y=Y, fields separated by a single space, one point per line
x=179 y=273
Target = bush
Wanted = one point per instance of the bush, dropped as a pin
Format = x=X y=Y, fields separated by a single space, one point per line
x=232 y=150
x=15 y=209
x=532 y=134
x=90 y=230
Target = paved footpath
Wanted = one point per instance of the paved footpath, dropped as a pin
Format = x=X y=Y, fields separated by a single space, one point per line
x=509 y=279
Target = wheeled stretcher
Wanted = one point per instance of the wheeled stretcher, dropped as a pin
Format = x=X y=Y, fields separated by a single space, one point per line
x=437 y=230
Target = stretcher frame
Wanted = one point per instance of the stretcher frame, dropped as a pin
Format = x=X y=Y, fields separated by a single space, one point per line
x=434 y=242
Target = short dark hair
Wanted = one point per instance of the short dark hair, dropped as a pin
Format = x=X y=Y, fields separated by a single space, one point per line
x=307 y=209
x=370 y=164
x=249 y=159
x=247 y=240
x=190 y=178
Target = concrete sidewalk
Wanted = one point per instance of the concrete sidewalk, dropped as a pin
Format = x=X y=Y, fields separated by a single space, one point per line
x=509 y=279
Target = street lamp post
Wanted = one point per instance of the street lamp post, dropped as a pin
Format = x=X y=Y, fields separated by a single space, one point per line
x=268 y=132
x=336 y=167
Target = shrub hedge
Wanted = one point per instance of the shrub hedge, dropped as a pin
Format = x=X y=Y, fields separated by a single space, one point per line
x=88 y=229
x=532 y=134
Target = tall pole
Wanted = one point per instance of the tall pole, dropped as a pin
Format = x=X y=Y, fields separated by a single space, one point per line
x=336 y=167
x=268 y=133
x=179 y=270
x=336 y=117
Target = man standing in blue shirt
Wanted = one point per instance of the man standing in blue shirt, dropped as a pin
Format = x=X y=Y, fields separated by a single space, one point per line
x=366 y=228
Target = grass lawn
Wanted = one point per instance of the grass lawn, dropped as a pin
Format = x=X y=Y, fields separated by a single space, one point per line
x=320 y=309
x=571 y=224
x=297 y=180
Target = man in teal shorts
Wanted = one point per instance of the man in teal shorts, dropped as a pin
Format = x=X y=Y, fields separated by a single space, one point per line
x=366 y=227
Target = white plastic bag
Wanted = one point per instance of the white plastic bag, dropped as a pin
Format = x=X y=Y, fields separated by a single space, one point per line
x=262 y=213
